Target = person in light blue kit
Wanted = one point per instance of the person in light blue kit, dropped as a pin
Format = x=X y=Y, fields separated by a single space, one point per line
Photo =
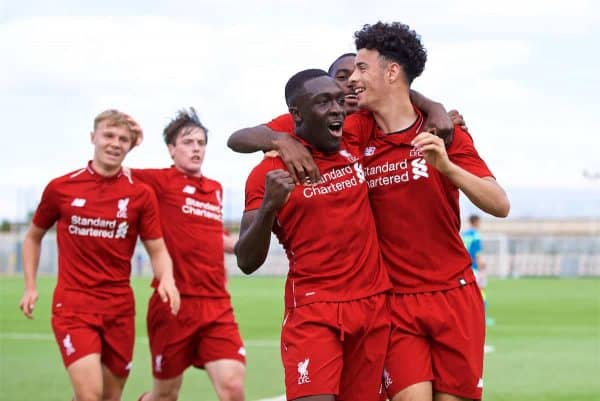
x=472 y=241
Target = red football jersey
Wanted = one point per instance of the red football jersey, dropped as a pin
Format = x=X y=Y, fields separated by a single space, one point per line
x=416 y=208
x=99 y=219
x=282 y=123
x=191 y=212
x=327 y=230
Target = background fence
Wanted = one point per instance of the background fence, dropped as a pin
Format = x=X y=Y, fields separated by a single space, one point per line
x=506 y=255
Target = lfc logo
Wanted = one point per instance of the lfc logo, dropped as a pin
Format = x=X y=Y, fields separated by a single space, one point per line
x=122 y=208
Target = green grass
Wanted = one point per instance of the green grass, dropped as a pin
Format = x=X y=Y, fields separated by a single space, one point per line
x=546 y=340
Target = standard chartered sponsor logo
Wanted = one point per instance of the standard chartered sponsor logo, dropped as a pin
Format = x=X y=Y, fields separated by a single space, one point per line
x=387 y=173
x=324 y=186
x=97 y=227
x=204 y=209
x=397 y=172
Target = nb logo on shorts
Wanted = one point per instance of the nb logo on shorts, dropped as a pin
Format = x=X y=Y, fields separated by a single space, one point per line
x=303 y=372
x=387 y=379
x=69 y=349
x=158 y=363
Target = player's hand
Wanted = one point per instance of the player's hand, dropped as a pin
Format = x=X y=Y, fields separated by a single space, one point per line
x=278 y=186
x=168 y=292
x=457 y=119
x=297 y=159
x=135 y=128
x=439 y=123
x=434 y=151
x=27 y=304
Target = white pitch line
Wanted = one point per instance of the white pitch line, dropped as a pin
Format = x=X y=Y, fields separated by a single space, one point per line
x=280 y=398
x=144 y=339
x=50 y=337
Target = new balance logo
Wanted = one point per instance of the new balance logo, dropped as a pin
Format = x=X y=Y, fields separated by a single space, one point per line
x=419 y=168
x=69 y=349
x=242 y=351
x=480 y=383
x=129 y=366
x=158 y=363
x=348 y=155
x=303 y=371
x=188 y=189
x=78 y=202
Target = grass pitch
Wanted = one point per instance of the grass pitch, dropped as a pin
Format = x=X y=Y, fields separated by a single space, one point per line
x=546 y=342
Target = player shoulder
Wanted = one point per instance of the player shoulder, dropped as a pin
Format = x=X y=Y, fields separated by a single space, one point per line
x=359 y=118
x=461 y=140
x=282 y=123
x=268 y=163
x=70 y=176
x=461 y=136
x=210 y=184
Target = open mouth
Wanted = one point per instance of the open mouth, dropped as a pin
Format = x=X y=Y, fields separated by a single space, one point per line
x=335 y=128
x=351 y=98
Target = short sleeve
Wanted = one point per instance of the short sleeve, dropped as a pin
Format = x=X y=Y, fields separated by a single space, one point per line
x=151 y=177
x=48 y=211
x=149 y=223
x=255 y=184
x=462 y=152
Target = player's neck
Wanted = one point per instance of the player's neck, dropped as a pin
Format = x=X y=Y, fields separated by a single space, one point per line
x=190 y=173
x=105 y=170
x=396 y=112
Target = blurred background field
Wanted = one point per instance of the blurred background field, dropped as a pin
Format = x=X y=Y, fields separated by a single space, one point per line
x=545 y=340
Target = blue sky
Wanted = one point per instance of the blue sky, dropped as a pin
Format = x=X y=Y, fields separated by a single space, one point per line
x=523 y=73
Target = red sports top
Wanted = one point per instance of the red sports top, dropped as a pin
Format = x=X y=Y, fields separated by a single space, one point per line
x=191 y=212
x=416 y=208
x=327 y=231
x=99 y=219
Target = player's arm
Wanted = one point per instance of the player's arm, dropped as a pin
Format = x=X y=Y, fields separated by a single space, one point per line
x=255 y=230
x=163 y=271
x=32 y=246
x=437 y=121
x=296 y=157
x=228 y=242
x=480 y=262
x=484 y=192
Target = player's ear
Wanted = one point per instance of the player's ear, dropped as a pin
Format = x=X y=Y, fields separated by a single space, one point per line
x=394 y=71
x=295 y=114
x=92 y=136
x=171 y=149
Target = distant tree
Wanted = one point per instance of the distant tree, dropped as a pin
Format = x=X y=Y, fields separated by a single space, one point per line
x=5 y=226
